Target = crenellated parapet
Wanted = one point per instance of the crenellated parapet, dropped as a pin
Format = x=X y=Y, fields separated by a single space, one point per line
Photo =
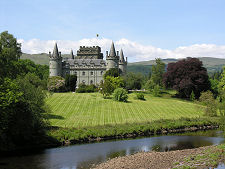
x=93 y=52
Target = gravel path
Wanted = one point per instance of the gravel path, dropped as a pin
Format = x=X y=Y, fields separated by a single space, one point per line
x=155 y=160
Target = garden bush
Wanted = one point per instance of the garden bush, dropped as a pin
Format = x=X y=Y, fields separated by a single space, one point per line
x=56 y=84
x=140 y=96
x=86 y=88
x=120 y=94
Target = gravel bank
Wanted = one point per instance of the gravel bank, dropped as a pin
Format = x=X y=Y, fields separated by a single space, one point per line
x=157 y=160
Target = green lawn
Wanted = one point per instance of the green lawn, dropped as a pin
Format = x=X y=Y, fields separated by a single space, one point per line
x=90 y=109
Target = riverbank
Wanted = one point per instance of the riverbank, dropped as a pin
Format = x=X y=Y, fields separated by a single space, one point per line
x=69 y=136
x=203 y=157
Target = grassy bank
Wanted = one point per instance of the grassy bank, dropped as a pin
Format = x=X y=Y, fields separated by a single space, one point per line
x=85 y=117
x=90 y=109
x=97 y=133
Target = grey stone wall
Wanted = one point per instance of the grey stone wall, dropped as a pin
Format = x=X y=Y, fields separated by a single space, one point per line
x=88 y=76
x=55 y=67
x=111 y=63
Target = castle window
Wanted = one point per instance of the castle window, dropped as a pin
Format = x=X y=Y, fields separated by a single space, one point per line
x=91 y=82
x=75 y=73
x=92 y=73
x=83 y=73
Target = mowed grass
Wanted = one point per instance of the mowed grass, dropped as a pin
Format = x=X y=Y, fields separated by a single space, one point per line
x=91 y=109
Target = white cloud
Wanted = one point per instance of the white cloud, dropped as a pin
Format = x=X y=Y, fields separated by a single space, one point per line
x=134 y=51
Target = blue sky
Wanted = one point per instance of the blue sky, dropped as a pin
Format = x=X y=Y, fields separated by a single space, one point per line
x=164 y=24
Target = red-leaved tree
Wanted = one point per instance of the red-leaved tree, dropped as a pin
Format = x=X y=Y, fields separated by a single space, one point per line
x=185 y=76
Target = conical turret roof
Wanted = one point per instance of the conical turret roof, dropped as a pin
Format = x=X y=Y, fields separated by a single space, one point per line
x=112 y=50
x=55 y=51
x=121 y=56
x=72 y=56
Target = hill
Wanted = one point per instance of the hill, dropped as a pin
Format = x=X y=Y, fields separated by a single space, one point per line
x=212 y=64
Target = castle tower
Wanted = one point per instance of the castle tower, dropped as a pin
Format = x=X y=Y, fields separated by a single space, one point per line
x=55 y=62
x=122 y=62
x=112 y=60
x=71 y=53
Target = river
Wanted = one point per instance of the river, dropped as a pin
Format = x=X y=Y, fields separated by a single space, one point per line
x=85 y=155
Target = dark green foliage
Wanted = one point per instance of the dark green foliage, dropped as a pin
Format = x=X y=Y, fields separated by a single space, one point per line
x=82 y=88
x=120 y=94
x=56 y=84
x=217 y=75
x=114 y=72
x=133 y=81
x=22 y=95
x=140 y=96
x=106 y=88
x=209 y=102
x=110 y=84
x=70 y=82
x=10 y=52
x=27 y=66
x=185 y=76
x=22 y=106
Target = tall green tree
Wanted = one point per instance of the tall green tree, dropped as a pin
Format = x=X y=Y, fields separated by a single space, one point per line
x=22 y=105
x=157 y=72
x=114 y=72
x=70 y=82
x=10 y=51
x=133 y=80
x=156 y=75
x=222 y=80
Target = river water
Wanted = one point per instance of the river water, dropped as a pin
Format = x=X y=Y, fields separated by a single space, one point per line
x=85 y=155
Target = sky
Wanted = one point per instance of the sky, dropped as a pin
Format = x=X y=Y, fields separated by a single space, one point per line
x=144 y=29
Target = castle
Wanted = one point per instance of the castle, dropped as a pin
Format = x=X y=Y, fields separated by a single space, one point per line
x=88 y=65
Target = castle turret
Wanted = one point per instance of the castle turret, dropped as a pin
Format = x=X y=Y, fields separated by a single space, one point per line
x=122 y=63
x=112 y=60
x=71 y=53
x=55 y=62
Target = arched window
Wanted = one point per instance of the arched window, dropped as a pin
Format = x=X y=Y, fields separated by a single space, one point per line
x=83 y=73
x=101 y=72
x=91 y=82
x=92 y=73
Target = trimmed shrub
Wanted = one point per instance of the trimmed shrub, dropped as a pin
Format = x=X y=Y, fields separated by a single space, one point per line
x=140 y=96
x=56 y=84
x=120 y=94
x=86 y=88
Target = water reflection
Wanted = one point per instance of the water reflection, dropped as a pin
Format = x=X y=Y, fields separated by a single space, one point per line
x=85 y=155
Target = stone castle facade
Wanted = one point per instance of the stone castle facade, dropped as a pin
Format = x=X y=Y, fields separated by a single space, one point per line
x=88 y=64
